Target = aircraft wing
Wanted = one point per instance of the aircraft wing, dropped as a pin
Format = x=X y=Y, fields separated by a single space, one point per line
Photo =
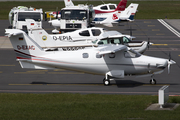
x=111 y=49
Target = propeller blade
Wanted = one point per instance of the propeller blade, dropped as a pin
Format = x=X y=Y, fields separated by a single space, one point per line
x=170 y=62
x=169 y=67
x=57 y=13
x=169 y=56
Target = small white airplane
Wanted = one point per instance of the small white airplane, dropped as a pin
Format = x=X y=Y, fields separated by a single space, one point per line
x=84 y=37
x=110 y=7
x=111 y=61
x=117 y=16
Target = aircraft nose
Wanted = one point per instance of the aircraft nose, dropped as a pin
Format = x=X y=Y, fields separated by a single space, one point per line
x=165 y=63
x=162 y=64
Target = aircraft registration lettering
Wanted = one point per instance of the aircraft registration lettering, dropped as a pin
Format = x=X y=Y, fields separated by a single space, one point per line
x=69 y=38
x=25 y=47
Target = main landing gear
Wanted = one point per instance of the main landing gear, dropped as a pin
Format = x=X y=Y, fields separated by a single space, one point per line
x=106 y=82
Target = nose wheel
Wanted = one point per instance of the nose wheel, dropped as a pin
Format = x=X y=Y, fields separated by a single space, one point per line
x=152 y=81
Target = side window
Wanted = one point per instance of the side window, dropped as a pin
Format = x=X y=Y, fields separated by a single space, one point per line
x=98 y=56
x=112 y=7
x=84 y=33
x=85 y=55
x=96 y=32
x=105 y=41
x=104 y=8
x=115 y=41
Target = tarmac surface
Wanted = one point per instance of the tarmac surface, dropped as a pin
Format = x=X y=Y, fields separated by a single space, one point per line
x=14 y=79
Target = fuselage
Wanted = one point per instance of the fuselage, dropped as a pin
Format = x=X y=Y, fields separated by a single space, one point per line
x=89 y=61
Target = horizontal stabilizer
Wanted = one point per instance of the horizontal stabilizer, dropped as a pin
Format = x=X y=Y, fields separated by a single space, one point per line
x=12 y=32
x=32 y=65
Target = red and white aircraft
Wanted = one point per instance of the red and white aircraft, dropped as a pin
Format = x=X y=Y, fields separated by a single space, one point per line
x=108 y=13
x=109 y=8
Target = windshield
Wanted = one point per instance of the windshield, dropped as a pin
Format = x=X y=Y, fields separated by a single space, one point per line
x=119 y=40
x=126 y=40
x=74 y=14
x=29 y=15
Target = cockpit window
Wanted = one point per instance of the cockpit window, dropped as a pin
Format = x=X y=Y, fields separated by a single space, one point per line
x=104 y=41
x=84 y=33
x=110 y=41
x=115 y=41
x=112 y=7
x=96 y=32
x=131 y=54
x=104 y=8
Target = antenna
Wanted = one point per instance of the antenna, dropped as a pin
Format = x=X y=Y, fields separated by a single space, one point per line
x=102 y=1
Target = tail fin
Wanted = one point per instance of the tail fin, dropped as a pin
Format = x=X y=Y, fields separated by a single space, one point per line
x=28 y=52
x=121 y=6
x=40 y=36
x=22 y=43
x=129 y=12
x=68 y=3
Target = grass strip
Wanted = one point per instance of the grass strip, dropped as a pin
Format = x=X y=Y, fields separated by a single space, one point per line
x=66 y=106
x=146 y=9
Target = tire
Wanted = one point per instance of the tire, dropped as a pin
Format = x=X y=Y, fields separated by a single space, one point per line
x=106 y=82
x=152 y=81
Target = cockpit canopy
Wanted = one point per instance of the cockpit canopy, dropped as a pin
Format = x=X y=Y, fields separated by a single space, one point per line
x=115 y=40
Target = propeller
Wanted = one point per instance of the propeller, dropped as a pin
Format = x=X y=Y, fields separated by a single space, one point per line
x=56 y=12
x=170 y=62
x=149 y=43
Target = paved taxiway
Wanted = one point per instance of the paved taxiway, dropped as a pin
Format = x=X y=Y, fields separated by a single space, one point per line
x=17 y=80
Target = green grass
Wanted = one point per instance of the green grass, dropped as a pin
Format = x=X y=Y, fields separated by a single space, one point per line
x=64 y=106
x=146 y=9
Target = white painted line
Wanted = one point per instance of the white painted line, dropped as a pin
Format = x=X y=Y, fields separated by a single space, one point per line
x=169 y=27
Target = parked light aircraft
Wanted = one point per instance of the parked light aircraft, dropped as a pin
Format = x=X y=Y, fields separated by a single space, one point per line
x=117 y=16
x=109 y=8
x=112 y=61
x=103 y=8
x=85 y=37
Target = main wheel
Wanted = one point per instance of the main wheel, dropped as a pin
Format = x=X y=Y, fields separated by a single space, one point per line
x=106 y=82
x=152 y=81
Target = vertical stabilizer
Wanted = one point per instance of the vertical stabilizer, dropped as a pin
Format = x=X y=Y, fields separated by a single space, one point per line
x=24 y=46
x=129 y=12
x=28 y=52
x=39 y=35
x=122 y=5
x=68 y=3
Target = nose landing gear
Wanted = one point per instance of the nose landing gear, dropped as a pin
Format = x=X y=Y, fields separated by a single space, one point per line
x=152 y=81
